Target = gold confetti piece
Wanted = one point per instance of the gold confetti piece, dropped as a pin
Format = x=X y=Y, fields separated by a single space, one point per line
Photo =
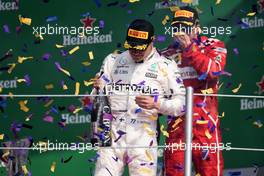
x=22 y=59
x=21 y=80
x=218 y=2
x=48 y=103
x=24 y=168
x=11 y=95
x=11 y=68
x=74 y=49
x=165 y=133
x=77 y=110
x=237 y=89
x=23 y=20
x=5 y=154
x=174 y=8
x=187 y=1
x=23 y=106
x=165 y=20
x=202 y=122
x=91 y=56
x=148 y=155
x=59 y=46
x=221 y=116
x=2 y=136
x=49 y=86
x=1 y=89
x=77 y=88
x=80 y=137
x=53 y=167
x=88 y=83
x=219 y=87
x=153 y=117
x=207 y=134
x=86 y=63
x=65 y=71
x=251 y=14
x=132 y=1
x=179 y=120
x=207 y=91
x=64 y=87
x=148 y=129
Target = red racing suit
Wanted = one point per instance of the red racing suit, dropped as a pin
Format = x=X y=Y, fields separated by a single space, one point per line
x=200 y=65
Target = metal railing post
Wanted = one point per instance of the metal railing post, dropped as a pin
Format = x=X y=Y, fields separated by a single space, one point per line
x=188 y=132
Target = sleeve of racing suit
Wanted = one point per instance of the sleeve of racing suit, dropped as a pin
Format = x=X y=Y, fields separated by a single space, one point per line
x=173 y=105
x=211 y=61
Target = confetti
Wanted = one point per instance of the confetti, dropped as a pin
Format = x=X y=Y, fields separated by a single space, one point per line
x=7 y=55
x=51 y=18
x=132 y=1
x=48 y=103
x=53 y=167
x=165 y=20
x=112 y=4
x=11 y=68
x=218 y=2
x=237 y=89
x=6 y=28
x=77 y=110
x=165 y=133
x=138 y=110
x=98 y=3
x=153 y=117
x=91 y=56
x=207 y=134
x=258 y=123
x=74 y=50
x=49 y=86
x=24 y=168
x=101 y=24
x=205 y=154
x=23 y=106
x=28 y=118
x=148 y=129
x=202 y=122
x=251 y=14
x=22 y=59
x=161 y=38
x=200 y=105
x=58 y=66
x=24 y=20
x=59 y=46
x=120 y=133
x=202 y=76
x=67 y=160
x=150 y=158
x=207 y=91
x=236 y=51
x=179 y=120
x=77 y=88
x=86 y=63
x=88 y=83
x=46 y=56
x=222 y=115
x=2 y=136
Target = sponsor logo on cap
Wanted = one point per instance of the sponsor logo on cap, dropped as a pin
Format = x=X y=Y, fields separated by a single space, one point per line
x=138 y=34
x=183 y=13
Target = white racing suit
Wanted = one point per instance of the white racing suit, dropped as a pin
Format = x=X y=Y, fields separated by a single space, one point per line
x=133 y=128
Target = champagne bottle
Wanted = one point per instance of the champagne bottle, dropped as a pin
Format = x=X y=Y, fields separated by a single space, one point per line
x=101 y=120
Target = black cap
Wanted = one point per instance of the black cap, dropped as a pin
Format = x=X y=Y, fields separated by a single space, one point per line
x=140 y=34
x=185 y=18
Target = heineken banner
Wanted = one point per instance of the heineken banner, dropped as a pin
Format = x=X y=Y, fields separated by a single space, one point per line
x=50 y=47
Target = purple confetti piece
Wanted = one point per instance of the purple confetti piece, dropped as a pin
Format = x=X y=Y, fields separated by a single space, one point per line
x=63 y=53
x=98 y=3
x=6 y=28
x=129 y=11
x=121 y=133
x=101 y=24
x=179 y=80
x=51 y=19
x=105 y=78
x=161 y=38
x=46 y=56
x=226 y=73
x=71 y=108
x=205 y=154
x=202 y=76
x=217 y=73
x=48 y=119
x=236 y=51
x=57 y=64
x=107 y=116
x=142 y=83
x=200 y=105
x=54 y=110
x=28 y=81
x=229 y=84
